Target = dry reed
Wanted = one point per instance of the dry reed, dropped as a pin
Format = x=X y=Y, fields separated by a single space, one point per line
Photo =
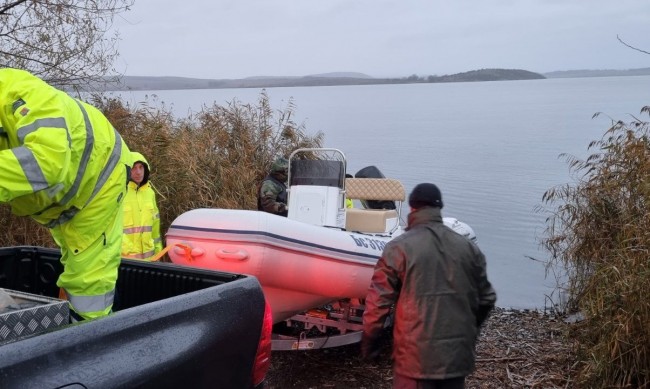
x=600 y=232
x=212 y=159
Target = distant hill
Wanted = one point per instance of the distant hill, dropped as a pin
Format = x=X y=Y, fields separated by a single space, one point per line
x=322 y=75
x=168 y=83
x=159 y=83
x=598 y=73
x=491 y=75
x=340 y=74
x=325 y=79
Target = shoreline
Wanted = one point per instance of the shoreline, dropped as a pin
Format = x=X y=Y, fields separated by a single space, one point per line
x=516 y=348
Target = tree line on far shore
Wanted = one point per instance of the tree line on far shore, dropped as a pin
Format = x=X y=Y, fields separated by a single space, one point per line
x=167 y=83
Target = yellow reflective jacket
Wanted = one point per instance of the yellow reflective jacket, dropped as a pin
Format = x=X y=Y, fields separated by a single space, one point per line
x=56 y=152
x=63 y=164
x=141 y=239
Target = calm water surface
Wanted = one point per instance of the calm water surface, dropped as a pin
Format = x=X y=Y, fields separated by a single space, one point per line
x=491 y=147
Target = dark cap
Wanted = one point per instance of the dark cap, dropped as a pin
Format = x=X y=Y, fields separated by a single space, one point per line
x=425 y=195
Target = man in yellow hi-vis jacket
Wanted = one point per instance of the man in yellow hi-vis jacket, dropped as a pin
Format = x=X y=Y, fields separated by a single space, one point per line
x=63 y=164
x=141 y=238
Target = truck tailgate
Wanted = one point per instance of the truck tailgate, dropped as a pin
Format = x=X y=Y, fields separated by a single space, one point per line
x=174 y=327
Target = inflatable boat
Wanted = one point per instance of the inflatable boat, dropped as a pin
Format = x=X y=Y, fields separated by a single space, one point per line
x=322 y=252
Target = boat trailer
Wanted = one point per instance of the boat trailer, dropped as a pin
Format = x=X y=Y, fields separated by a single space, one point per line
x=337 y=324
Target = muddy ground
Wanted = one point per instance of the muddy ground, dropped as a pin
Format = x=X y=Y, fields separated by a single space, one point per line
x=516 y=349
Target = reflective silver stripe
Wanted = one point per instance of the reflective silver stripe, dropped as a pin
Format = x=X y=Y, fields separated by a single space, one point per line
x=32 y=174
x=24 y=131
x=103 y=177
x=39 y=123
x=31 y=168
x=85 y=156
x=140 y=256
x=17 y=104
x=83 y=304
x=157 y=240
x=137 y=230
x=109 y=167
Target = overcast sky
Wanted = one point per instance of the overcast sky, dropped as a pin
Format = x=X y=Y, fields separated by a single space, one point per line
x=241 y=38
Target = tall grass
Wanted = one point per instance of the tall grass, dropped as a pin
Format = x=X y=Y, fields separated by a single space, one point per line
x=213 y=159
x=599 y=230
x=19 y=231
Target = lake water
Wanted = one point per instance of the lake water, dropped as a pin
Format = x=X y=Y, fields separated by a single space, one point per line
x=492 y=148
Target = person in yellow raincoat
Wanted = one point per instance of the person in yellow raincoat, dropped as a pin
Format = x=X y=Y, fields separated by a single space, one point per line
x=141 y=238
x=63 y=164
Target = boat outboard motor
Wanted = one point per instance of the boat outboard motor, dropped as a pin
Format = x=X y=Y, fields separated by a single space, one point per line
x=373 y=172
x=461 y=228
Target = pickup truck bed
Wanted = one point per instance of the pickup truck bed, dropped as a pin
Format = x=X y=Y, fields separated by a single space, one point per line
x=174 y=327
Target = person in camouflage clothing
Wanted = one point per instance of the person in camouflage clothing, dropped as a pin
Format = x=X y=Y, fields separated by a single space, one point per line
x=272 y=194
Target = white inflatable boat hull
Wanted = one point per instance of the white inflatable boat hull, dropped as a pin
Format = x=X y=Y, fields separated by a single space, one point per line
x=300 y=266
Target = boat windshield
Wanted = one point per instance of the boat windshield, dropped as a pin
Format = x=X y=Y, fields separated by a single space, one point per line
x=317 y=173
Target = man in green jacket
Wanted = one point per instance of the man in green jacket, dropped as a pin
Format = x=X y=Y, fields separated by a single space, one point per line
x=436 y=280
x=64 y=165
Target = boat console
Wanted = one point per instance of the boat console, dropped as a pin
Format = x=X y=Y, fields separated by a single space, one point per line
x=318 y=189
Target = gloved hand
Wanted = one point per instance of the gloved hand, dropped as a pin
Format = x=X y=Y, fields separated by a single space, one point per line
x=482 y=314
x=370 y=348
x=282 y=208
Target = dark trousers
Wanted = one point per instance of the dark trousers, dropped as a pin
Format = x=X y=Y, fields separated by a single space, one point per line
x=403 y=382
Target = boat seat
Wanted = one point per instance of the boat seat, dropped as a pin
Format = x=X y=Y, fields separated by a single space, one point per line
x=374 y=189
x=370 y=220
